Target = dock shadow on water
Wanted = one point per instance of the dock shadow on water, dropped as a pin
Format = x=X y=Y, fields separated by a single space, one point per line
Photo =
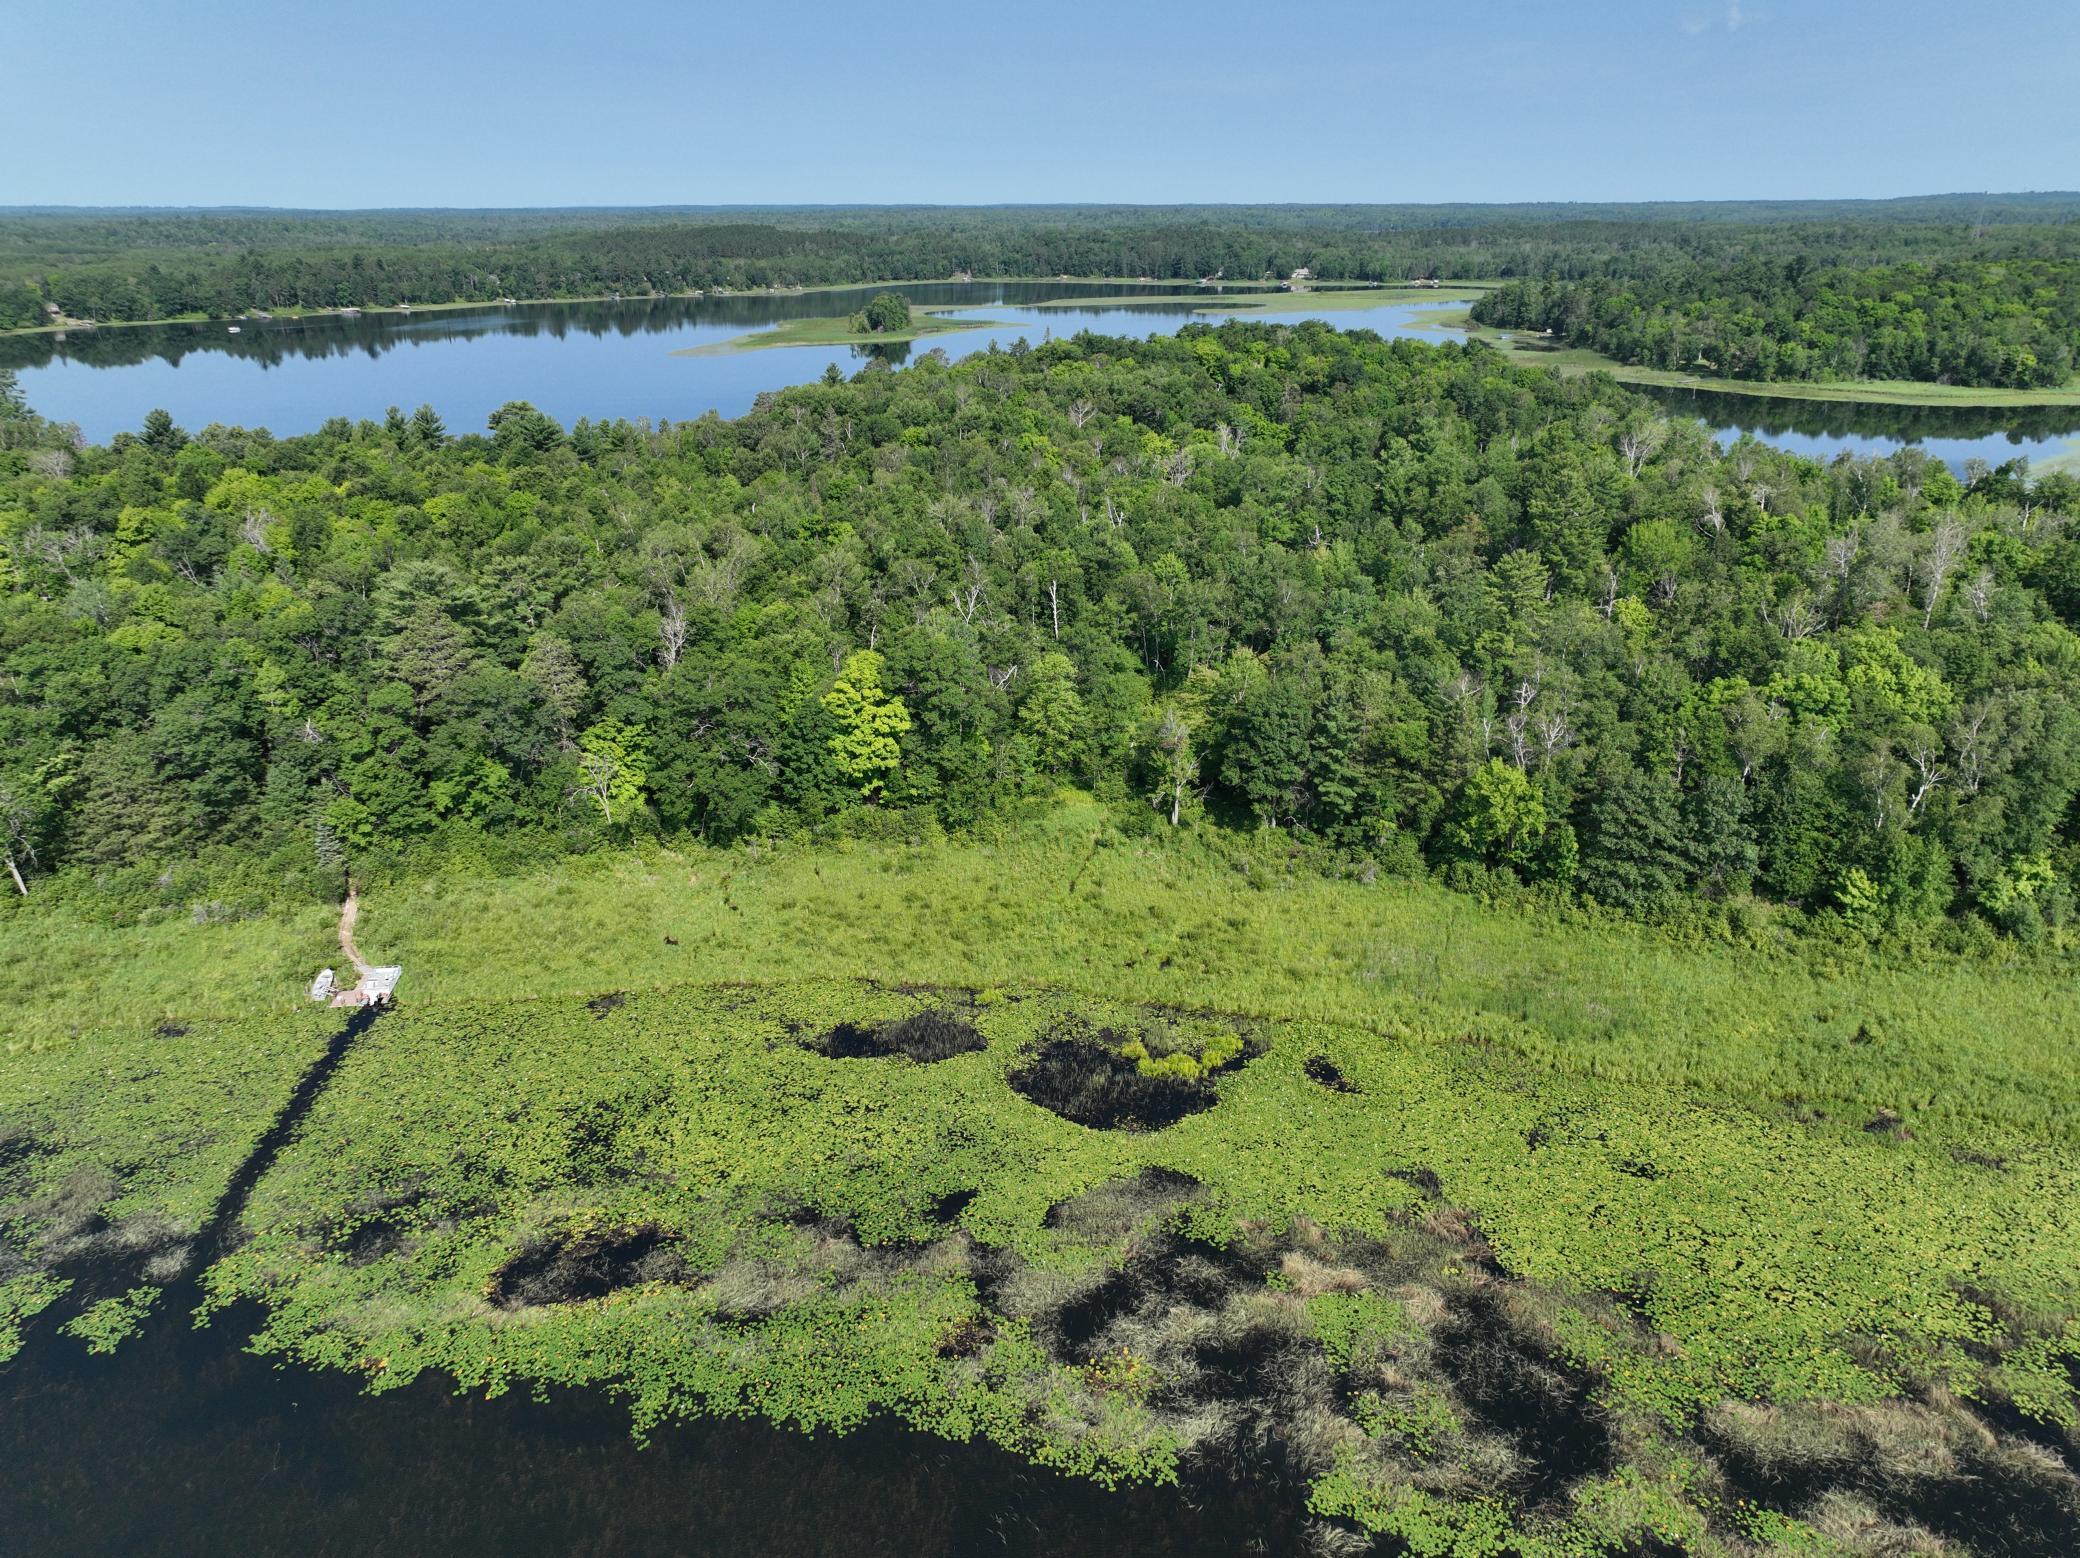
x=181 y=1442
x=219 y=1232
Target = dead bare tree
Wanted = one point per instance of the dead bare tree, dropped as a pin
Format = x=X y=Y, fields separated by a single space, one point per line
x=1796 y=619
x=1945 y=548
x=1978 y=594
x=58 y=549
x=1925 y=753
x=252 y=529
x=1966 y=733
x=1554 y=735
x=671 y=631
x=967 y=595
x=1054 y=604
x=1517 y=723
x=1639 y=443
x=15 y=841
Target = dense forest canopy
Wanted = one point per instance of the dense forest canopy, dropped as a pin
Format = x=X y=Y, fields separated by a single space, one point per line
x=2013 y=323
x=1433 y=610
x=149 y=265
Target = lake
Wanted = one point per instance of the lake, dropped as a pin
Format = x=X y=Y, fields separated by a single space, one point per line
x=617 y=359
x=182 y=1442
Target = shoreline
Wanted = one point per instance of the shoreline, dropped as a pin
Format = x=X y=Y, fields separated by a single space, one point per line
x=291 y=312
x=1570 y=360
x=1450 y=318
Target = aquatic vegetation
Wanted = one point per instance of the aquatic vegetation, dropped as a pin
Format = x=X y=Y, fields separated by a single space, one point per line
x=680 y=1202
x=106 y=1323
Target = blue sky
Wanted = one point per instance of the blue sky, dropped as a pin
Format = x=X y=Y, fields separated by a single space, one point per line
x=377 y=102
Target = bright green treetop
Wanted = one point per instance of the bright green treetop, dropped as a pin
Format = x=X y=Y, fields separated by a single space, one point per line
x=871 y=724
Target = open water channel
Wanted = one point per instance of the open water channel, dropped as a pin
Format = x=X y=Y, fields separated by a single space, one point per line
x=628 y=359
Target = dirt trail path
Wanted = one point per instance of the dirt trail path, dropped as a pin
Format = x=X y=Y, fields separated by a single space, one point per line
x=349 y=912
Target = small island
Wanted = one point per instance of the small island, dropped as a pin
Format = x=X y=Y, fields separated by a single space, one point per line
x=885 y=321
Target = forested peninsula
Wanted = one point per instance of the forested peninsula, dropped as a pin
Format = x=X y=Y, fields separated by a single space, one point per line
x=1419 y=606
x=2011 y=325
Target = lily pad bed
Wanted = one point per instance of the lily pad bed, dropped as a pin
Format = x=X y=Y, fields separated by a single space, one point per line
x=1442 y=1304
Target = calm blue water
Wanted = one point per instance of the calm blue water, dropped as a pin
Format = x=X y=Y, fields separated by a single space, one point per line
x=605 y=360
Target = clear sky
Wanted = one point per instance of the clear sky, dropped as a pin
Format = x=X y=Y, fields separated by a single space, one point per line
x=642 y=102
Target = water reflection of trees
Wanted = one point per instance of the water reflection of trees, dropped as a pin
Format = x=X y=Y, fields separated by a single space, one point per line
x=270 y=342
x=1769 y=417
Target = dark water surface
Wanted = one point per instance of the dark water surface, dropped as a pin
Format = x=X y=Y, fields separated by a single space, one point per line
x=616 y=359
x=183 y=1443
x=1823 y=429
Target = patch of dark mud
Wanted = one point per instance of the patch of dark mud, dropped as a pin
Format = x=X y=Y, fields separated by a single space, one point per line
x=613 y=1000
x=15 y=1152
x=65 y=1225
x=924 y=1037
x=1545 y=1408
x=1115 y=1209
x=1421 y=1178
x=825 y=1225
x=1914 y=1464
x=1321 y=1069
x=1167 y=1274
x=374 y=1225
x=947 y=1209
x=392 y=1222
x=1089 y=1081
x=568 y=1268
x=1998 y=1502
x=967 y=1339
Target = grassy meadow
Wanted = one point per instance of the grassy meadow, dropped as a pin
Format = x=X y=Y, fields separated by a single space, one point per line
x=1960 y=1049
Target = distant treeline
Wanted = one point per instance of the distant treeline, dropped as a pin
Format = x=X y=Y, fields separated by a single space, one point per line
x=2012 y=323
x=122 y=266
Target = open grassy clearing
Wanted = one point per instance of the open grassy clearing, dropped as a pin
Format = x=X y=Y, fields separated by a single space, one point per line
x=1898 y=392
x=1965 y=1050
